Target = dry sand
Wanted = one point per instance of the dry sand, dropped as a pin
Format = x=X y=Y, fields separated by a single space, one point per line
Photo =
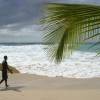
x=32 y=87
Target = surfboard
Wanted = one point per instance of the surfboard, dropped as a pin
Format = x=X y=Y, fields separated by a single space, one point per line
x=14 y=70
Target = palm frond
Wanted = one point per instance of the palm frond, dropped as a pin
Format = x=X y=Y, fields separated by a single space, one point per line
x=69 y=25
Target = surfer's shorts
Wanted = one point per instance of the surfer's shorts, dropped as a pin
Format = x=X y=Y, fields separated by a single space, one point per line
x=4 y=75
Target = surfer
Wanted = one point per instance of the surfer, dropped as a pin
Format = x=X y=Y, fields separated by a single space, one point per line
x=5 y=68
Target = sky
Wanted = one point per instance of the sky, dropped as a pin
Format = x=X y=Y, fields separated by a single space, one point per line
x=19 y=18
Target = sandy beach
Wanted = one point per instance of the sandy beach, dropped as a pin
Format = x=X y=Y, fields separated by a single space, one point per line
x=32 y=87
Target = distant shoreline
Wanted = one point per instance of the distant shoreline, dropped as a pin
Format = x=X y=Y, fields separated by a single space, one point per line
x=31 y=43
x=39 y=43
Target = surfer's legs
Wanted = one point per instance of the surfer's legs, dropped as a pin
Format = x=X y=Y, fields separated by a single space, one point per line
x=1 y=81
x=6 y=83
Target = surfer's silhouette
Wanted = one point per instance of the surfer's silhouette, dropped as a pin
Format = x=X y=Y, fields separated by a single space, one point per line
x=5 y=68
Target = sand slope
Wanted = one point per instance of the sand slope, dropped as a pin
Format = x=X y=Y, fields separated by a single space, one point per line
x=32 y=87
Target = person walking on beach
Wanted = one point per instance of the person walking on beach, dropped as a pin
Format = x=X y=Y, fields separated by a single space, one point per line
x=5 y=68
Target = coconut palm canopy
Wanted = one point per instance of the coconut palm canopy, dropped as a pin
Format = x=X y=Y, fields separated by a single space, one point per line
x=66 y=26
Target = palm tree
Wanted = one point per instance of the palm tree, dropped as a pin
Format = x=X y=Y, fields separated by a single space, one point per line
x=67 y=26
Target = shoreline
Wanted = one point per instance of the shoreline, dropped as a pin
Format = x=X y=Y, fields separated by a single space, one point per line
x=64 y=77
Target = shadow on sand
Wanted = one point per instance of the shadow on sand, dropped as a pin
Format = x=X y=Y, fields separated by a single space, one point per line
x=15 y=88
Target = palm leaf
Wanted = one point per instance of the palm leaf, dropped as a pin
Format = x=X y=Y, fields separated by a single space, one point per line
x=67 y=26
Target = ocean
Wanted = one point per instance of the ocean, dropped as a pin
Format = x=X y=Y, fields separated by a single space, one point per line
x=30 y=58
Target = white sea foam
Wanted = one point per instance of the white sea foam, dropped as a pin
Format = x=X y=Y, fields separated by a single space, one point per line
x=31 y=59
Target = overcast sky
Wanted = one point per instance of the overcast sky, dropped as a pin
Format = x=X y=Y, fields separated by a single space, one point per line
x=18 y=19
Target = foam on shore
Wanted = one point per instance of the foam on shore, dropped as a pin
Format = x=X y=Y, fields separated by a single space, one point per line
x=31 y=59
